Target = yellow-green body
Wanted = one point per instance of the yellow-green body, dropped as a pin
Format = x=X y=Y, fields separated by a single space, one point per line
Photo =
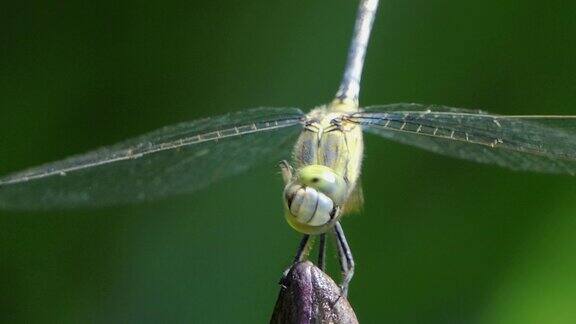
x=329 y=140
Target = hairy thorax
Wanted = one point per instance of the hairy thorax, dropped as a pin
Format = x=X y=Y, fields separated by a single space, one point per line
x=328 y=157
x=330 y=141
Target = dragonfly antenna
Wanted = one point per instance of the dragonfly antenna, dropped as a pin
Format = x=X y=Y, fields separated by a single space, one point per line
x=350 y=85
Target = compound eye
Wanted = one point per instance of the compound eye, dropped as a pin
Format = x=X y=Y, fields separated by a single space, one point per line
x=325 y=180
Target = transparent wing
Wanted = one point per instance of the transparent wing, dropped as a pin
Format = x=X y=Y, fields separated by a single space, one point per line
x=175 y=159
x=532 y=143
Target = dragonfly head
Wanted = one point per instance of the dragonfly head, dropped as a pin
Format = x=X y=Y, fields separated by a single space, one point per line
x=314 y=198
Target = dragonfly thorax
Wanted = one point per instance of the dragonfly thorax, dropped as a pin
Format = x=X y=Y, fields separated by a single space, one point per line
x=314 y=199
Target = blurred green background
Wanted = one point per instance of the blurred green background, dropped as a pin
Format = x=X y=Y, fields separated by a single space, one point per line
x=439 y=240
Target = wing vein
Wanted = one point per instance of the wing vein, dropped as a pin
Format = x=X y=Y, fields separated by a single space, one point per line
x=136 y=153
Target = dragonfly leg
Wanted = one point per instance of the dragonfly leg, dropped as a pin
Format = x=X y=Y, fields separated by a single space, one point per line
x=322 y=252
x=345 y=256
x=302 y=251
x=286 y=170
x=301 y=254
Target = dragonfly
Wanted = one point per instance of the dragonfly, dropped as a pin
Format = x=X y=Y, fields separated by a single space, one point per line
x=321 y=181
